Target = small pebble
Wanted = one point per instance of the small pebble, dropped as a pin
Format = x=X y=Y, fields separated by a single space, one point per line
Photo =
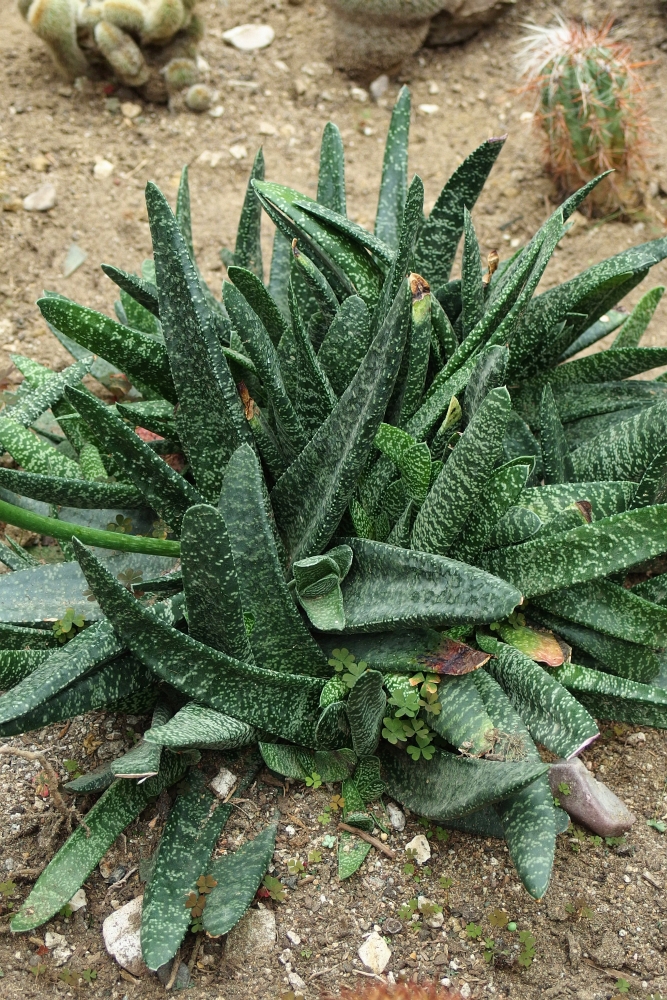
x=392 y=926
x=130 y=110
x=41 y=200
x=358 y=94
x=74 y=259
x=396 y=817
x=103 y=168
x=379 y=87
x=294 y=937
x=429 y=109
x=420 y=847
x=634 y=739
x=238 y=152
x=248 y=37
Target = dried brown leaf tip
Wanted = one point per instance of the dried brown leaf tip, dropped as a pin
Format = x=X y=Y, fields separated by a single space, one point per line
x=492 y=261
x=419 y=287
x=247 y=400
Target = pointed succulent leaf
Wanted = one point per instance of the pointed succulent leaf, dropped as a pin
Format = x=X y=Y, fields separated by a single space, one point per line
x=619 y=656
x=488 y=374
x=33 y=404
x=296 y=762
x=33 y=453
x=345 y=343
x=610 y=697
x=70 y=492
x=238 y=876
x=166 y=491
x=197 y=726
x=365 y=709
x=472 y=288
x=17 y=664
x=379 y=596
x=142 y=291
x=410 y=651
x=210 y=415
x=463 y=721
x=440 y=235
x=314 y=399
x=75 y=860
x=555 y=452
x=542 y=565
x=394 y=183
x=624 y=451
x=247 y=692
x=518 y=524
x=183 y=854
x=497 y=497
x=446 y=509
x=310 y=498
x=280 y=641
x=248 y=249
x=210 y=582
x=447 y=786
x=156 y=415
x=368 y=779
x=529 y=817
x=596 y=331
x=331 y=179
x=539 y=644
x=605 y=498
x=553 y=717
x=352 y=852
x=635 y=325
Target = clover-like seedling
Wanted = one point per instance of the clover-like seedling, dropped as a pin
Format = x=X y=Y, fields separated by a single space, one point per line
x=275 y=888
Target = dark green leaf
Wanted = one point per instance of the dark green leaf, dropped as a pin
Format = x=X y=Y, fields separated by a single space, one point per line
x=331 y=179
x=394 y=184
x=70 y=492
x=197 y=726
x=248 y=249
x=610 y=697
x=238 y=876
x=365 y=709
x=141 y=291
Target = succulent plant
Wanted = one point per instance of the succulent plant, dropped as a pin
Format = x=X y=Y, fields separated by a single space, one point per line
x=353 y=521
x=149 y=44
x=589 y=109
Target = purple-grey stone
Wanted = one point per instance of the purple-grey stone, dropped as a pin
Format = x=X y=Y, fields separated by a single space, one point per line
x=588 y=800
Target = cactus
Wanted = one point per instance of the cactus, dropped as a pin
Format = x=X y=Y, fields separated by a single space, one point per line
x=588 y=108
x=149 y=44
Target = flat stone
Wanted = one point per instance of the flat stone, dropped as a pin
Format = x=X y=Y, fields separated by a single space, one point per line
x=634 y=739
x=294 y=937
x=610 y=954
x=122 y=936
x=379 y=87
x=254 y=935
x=223 y=783
x=78 y=901
x=182 y=976
x=74 y=259
x=248 y=37
x=396 y=817
x=421 y=849
x=392 y=926
x=296 y=981
x=589 y=801
x=130 y=110
x=41 y=200
x=374 y=953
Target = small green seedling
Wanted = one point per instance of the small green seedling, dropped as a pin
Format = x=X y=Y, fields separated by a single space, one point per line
x=275 y=888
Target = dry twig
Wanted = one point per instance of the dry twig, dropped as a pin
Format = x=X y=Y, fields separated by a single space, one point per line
x=368 y=838
x=174 y=970
x=52 y=777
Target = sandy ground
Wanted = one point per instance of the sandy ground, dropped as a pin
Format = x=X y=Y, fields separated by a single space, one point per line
x=605 y=915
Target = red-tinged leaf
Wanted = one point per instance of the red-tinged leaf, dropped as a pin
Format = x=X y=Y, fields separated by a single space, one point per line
x=454 y=658
x=147 y=435
x=540 y=645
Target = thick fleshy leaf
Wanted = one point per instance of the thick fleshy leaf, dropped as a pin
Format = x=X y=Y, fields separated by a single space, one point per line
x=635 y=325
x=75 y=860
x=555 y=452
x=197 y=726
x=627 y=659
x=365 y=708
x=70 y=492
x=472 y=287
x=33 y=453
x=137 y=354
x=210 y=582
x=539 y=644
x=32 y=404
x=238 y=876
x=165 y=490
x=143 y=760
x=610 y=697
x=440 y=235
x=183 y=854
x=394 y=183
x=210 y=416
x=331 y=178
x=552 y=716
x=314 y=397
x=448 y=786
x=608 y=607
x=210 y=677
x=17 y=664
x=496 y=498
x=463 y=720
x=517 y=525
x=624 y=451
x=605 y=498
x=311 y=497
x=279 y=638
x=446 y=509
x=248 y=249
x=345 y=343
x=410 y=652
x=529 y=817
x=142 y=291
x=299 y=763
x=368 y=780
x=391 y=588
x=543 y=565
x=352 y=852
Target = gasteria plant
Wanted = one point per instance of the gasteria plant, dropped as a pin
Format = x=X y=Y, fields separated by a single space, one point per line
x=589 y=109
x=374 y=513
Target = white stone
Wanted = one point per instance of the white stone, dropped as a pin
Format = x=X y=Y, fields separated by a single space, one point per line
x=375 y=953
x=131 y=110
x=223 y=783
x=358 y=94
x=217 y=111
x=429 y=109
x=253 y=937
x=248 y=37
x=238 y=151
x=396 y=817
x=266 y=128
x=379 y=87
x=436 y=920
x=78 y=900
x=122 y=936
x=465 y=991
x=421 y=849
x=294 y=937
x=42 y=199
x=210 y=157
x=296 y=981
x=74 y=259
x=635 y=738
x=58 y=946
x=285 y=956
x=103 y=168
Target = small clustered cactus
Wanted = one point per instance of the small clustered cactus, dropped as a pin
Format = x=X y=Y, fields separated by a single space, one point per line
x=589 y=109
x=150 y=45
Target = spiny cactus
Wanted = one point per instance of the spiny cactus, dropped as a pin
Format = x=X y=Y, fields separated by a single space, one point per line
x=321 y=531
x=589 y=108
x=149 y=44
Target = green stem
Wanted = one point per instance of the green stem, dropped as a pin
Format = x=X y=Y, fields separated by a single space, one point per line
x=64 y=530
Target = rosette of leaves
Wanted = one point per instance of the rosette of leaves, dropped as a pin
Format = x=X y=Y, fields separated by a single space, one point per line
x=360 y=468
